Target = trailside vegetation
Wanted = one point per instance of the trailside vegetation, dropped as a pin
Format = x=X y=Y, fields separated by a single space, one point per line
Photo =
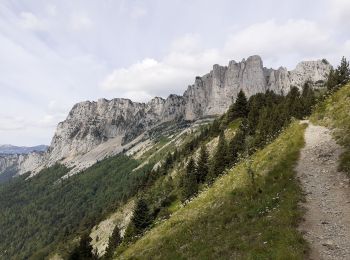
x=234 y=218
x=340 y=76
x=260 y=119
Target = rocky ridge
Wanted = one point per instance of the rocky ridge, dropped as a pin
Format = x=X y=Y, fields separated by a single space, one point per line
x=109 y=125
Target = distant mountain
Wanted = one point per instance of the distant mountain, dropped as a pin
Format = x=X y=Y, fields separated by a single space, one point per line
x=11 y=149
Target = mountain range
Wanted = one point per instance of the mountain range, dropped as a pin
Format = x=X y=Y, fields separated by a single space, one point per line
x=94 y=130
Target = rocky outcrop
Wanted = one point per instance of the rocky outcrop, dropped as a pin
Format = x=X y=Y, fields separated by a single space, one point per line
x=314 y=72
x=119 y=121
x=213 y=93
x=14 y=164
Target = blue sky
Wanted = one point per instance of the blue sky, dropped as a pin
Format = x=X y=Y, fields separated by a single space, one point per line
x=56 y=53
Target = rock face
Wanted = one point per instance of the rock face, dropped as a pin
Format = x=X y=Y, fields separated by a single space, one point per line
x=213 y=93
x=13 y=164
x=90 y=124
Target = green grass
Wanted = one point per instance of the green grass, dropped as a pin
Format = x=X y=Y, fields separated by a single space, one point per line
x=334 y=113
x=161 y=142
x=235 y=124
x=236 y=217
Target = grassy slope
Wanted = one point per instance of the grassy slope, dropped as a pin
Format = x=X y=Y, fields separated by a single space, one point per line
x=334 y=113
x=235 y=218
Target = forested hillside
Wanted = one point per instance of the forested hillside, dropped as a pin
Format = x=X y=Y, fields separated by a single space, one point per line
x=229 y=183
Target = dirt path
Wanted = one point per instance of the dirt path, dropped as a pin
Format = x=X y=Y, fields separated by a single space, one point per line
x=327 y=218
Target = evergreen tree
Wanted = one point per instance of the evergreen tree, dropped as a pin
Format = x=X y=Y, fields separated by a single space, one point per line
x=239 y=108
x=113 y=243
x=331 y=80
x=84 y=250
x=168 y=161
x=256 y=102
x=339 y=76
x=293 y=103
x=236 y=145
x=141 y=217
x=241 y=105
x=140 y=220
x=189 y=185
x=219 y=160
x=262 y=129
x=308 y=99
x=215 y=128
x=343 y=71
x=202 y=165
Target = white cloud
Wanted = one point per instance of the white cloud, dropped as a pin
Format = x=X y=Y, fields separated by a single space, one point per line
x=187 y=43
x=51 y=10
x=147 y=75
x=80 y=21
x=9 y=123
x=140 y=96
x=339 y=11
x=150 y=77
x=281 y=44
x=138 y=12
x=31 y=22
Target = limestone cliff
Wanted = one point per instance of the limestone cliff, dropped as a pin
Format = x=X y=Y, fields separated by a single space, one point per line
x=92 y=126
x=213 y=93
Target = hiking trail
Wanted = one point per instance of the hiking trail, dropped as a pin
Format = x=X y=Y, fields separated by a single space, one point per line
x=326 y=224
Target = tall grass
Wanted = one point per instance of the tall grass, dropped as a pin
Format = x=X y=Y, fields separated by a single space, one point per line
x=334 y=113
x=239 y=216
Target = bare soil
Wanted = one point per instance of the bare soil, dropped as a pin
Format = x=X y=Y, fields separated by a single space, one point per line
x=326 y=224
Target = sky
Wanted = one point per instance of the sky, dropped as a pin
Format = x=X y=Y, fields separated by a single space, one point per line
x=54 y=54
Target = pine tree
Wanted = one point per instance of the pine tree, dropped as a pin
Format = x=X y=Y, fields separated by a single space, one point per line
x=140 y=220
x=263 y=127
x=236 y=145
x=168 y=161
x=113 y=243
x=343 y=71
x=256 y=103
x=202 y=165
x=215 y=128
x=294 y=104
x=308 y=99
x=331 y=80
x=219 y=160
x=189 y=185
x=241 y=105
x=339 y=76
x=239 y=108
x=84 y=250
x=141 y=217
